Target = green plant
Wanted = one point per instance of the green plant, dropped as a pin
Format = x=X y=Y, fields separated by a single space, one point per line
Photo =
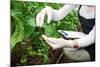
x=40 y=46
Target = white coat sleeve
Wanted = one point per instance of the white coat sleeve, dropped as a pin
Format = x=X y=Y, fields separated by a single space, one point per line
x=88 y=39
x=62 y=12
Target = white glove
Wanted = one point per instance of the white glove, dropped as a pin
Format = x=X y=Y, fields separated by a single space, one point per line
x=40 y=16
x=56 y=43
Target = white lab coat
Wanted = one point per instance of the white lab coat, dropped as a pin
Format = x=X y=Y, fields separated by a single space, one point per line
x=86 y=12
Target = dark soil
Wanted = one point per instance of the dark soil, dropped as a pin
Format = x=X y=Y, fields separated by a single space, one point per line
x=20 y=51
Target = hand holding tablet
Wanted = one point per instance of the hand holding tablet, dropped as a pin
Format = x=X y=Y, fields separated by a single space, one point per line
x=71 y=34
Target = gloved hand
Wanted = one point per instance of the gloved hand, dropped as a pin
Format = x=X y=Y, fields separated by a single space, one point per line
x=41 y=16
x=56 y=43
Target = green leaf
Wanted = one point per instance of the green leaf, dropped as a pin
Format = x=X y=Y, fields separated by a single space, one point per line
x=18 y=35
x=29 y=25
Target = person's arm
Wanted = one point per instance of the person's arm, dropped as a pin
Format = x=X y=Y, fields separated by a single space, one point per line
x=87 y=40
x=56 y=43
x=53 y=14
x=61 y=13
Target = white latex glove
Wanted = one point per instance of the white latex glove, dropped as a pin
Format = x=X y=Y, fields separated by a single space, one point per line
x=56 y=43
x=41 y=16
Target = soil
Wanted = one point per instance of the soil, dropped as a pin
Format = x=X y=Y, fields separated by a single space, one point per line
x=20 y=50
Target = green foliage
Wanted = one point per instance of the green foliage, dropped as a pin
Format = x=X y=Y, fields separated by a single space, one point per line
x=19 y=31
x=23 y=29
x=71 y=22
x=40 y=46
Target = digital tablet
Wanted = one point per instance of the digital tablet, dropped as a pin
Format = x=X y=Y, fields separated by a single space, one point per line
x=71 y=34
